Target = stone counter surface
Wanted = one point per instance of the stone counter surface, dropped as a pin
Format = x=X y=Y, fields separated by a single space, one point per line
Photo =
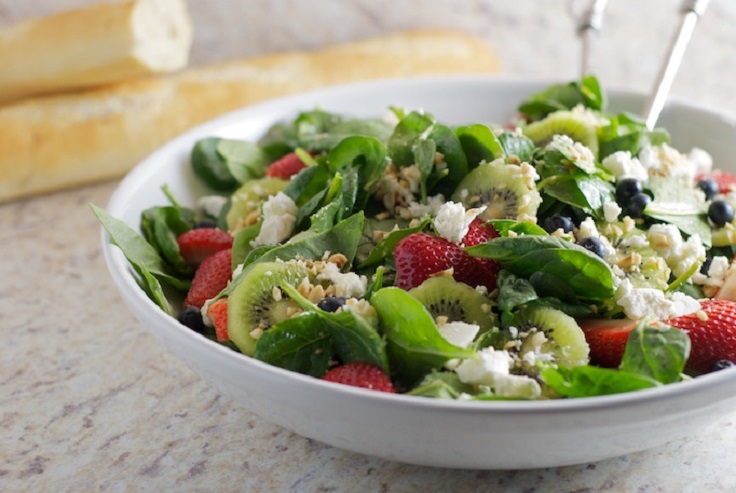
x=90 y=401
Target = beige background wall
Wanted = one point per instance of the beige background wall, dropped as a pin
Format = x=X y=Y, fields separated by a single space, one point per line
x=634 y=40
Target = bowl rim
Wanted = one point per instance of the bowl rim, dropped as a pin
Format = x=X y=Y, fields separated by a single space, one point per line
x=123 y=276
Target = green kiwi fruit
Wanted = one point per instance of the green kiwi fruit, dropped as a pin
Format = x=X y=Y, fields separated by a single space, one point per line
x=249 y=198
x=577 y=127
x=565 y=339
x=639 y=260
x=502 y=189
x=444 y=296
x=252 y=304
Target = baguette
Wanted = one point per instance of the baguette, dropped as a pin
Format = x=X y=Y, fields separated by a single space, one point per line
x=94 y=45
x=57 y=141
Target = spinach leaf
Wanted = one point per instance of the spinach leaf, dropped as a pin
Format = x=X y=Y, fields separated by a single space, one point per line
x=628 y=132
x=367 y=155
x=143 y=258
x=442 y=385
x=162 y=226
x=414 y=344
x=210 y=167
x=513 y=291
x=245 y=160
x=558 y=97
x=307 y=183
x=586 y=192
x=518 y=145
x=353 y=337
x=343 y=237
x=506 y=226
x=410 y=138
x=300 y=344
x=386 y=247
x=589 y=381
x=657 y=353
x=586 y=274
x=479 y=144
x=675 y=204
x=137 y=250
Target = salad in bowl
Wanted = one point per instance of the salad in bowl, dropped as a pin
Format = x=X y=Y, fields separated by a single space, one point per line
x=567 y=252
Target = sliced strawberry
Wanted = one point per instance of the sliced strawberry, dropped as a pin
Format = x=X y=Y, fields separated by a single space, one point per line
x=726 y=181
x=217 y=312
x=286 y=167
x=210 y=278
x=198 y=244
x=712 y=334
x=607 y=339
x=480 y=232
x=360 y=374
x=420 y=255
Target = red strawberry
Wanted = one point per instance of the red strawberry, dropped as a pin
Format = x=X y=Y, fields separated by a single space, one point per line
x=726 y=181
x=607 y=339
x=217 y=312
x=286 y=167
x=420 y=255
x=197 y=244
x=210 y=278
x=479 y=232
x=360 y=374
x=712 y=337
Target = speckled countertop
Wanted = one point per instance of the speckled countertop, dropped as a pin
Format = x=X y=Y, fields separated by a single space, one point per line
x=89 y=401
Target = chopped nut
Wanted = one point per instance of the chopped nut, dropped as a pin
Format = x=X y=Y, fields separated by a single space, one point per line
x=339 y=259
x=276 y=293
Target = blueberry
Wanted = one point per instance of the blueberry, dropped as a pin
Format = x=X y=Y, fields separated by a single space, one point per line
x=331 y=303
x=709 y=186
x=594 y=245
x=205 y=223
x=192 y=318
x=627 y=188
x=636 y=205
x=720 y=212
x=706 y=266
x=722 y=364
x=557 y=221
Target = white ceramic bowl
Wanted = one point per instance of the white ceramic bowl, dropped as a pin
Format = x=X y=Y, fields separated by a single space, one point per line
x=497 y=435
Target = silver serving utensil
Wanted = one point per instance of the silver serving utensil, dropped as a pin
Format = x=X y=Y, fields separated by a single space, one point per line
x=690 y=13
x=590 y=26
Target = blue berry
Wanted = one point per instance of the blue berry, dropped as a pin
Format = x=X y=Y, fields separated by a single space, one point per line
x=636 y=205
x=722 y=364
x=627 y=188
x=192 y=318
x=331 y=303
x=720 y=212
x=557 y=221
x=205 y=223
x=709 y=187
x=593 y=245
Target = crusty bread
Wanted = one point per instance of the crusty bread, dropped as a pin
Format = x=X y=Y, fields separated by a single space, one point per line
x=51 y=142
x=98 y=44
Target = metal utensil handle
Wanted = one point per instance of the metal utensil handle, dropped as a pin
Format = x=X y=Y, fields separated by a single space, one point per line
x=591 y=24
x=691 y=12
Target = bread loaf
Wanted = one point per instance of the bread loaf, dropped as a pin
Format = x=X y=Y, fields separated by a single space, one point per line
x=57 y=141
x=95 y=45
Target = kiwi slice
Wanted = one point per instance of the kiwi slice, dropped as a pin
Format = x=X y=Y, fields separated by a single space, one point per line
x=249 y=198
x=252 y=304
x=565 y=339
x=443 y=296
x=577 y=127
x=502 y=188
